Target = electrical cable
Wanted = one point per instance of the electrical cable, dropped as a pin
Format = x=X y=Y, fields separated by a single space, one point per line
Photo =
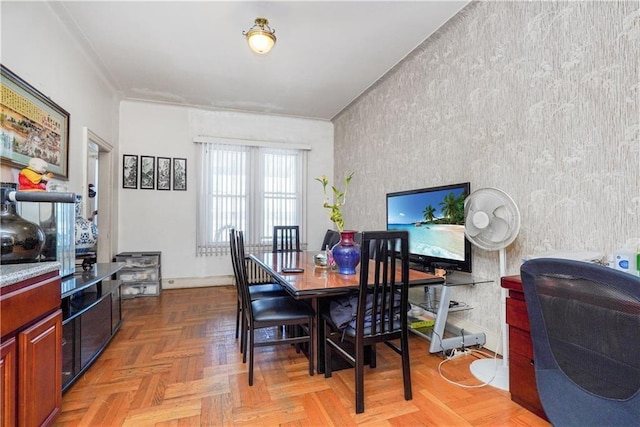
x=453 y=356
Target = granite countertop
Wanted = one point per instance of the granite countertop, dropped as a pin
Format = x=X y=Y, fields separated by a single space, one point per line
x=14 y=273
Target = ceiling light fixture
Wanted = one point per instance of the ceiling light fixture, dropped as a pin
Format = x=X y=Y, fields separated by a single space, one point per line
x=261 y=37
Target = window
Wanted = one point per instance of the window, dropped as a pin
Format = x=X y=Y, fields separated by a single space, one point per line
x=249 y=188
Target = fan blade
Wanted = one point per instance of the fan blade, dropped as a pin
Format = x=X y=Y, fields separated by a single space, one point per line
x=488 y=203
x=498 y=230
x=503 y=212
x=476 y=222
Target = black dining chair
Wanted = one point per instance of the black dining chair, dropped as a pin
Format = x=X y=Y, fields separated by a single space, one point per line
x=585 y=330
x=286 y=238
x=256 y=291
x=331 y=237
x=273 y=312
x=381 y=310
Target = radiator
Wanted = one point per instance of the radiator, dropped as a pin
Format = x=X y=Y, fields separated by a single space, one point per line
x=257 y=274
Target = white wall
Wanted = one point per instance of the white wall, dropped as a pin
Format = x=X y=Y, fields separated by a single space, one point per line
x=539 y=99
x=152 y=220
x=38 y=48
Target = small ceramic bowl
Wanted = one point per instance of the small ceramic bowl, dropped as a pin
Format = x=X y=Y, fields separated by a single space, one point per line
x=320 y=260
x=415 y=311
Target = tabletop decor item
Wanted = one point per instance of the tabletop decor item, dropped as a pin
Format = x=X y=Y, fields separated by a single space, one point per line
x=346 y=253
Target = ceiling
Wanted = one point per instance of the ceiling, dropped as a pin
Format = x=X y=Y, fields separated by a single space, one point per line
x=193 y=53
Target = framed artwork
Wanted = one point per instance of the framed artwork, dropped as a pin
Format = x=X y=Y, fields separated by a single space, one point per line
x=31 y=125
x=147 y=172
x=129 y=171
x=179 y=174
x=164 y=173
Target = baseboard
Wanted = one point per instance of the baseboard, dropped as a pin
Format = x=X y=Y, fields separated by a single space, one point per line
x=196 y=282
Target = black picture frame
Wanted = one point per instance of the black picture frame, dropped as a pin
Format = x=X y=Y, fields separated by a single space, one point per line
x=32 y=126
x=130 y=171
x=179 y=174
x=163 y=173
x=147 y=172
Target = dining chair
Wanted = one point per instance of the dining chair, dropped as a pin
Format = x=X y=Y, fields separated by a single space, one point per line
x=380 y=310
x=286 y=238
x=295 y=315
x=585 y=331
x=256 y=291
x=331 y=237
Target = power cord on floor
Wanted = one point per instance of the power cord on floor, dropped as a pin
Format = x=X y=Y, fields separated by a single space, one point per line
x=456 y=353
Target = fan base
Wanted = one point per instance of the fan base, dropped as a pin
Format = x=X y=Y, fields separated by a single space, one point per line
x=491 y=371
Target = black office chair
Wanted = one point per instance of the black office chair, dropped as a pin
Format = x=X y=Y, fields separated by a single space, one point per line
x=256 y=291
x=382 y=306
x=296 y=315
x=585 y=329
x=331 y=237
x=286 y=238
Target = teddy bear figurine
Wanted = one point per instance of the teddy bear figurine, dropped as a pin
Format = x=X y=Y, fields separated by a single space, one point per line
x=35 y=176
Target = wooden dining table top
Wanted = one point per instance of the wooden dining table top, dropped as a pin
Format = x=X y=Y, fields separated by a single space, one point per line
x=317 y=281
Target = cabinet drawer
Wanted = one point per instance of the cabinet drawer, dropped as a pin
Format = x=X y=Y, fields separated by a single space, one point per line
x=139 y=275
x=144 y=261
x=520 y=342
x=517 y=315
x=130 y=290
x=522 y=384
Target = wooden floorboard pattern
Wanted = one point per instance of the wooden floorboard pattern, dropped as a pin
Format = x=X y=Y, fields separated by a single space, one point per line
x=175 y=362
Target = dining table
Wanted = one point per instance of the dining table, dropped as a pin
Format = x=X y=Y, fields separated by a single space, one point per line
x=299 y=275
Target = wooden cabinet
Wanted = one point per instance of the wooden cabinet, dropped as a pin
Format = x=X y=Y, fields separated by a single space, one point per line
x=31 y=351
x=8 y=377
x=522 y=379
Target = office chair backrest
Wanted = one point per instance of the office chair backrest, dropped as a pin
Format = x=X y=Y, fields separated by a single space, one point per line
x=585 y=329
x=383 y=290
x=286 y=238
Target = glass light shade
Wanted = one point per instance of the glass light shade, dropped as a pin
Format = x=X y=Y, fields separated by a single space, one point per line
x=260 y=41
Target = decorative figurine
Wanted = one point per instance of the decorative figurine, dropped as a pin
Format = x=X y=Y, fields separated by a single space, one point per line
x=35 y=176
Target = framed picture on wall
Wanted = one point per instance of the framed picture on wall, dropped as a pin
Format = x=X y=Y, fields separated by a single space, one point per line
x=129 y=171
x=147 y=172
x=164 y=173
x=179 y=174
x=32 y=126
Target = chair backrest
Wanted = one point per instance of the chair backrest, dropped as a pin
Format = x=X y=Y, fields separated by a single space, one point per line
x=383 y=287
x=331 y=237
x=286 y=238
x=241 y=265
x=585 y=329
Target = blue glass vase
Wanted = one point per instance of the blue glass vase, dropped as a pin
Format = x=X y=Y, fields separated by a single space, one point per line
x=346 y=253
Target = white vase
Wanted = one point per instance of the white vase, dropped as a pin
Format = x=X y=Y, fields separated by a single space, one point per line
x=86 y=232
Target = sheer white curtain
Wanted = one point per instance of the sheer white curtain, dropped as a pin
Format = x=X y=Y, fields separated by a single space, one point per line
x=250 y=186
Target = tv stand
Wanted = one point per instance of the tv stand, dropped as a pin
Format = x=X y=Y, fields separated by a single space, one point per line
x=440 y=309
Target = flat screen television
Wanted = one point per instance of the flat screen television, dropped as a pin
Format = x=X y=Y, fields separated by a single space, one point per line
x=434 y=218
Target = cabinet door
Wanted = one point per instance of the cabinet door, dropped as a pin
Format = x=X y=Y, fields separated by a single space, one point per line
x=95 y=330
x=39 y=371
x=8 y=370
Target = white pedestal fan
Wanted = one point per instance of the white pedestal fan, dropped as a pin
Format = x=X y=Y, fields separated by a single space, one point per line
x=492 y=222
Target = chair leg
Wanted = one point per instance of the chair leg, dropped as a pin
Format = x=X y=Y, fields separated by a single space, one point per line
x=237 y=319
x=311 y=347
x=243 y=339
x=406 y=367
x=251 y=339
x=327 y=350
x=359 y=373
x=372 y=354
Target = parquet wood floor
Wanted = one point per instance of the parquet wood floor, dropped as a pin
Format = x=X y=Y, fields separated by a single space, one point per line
x=175 y=362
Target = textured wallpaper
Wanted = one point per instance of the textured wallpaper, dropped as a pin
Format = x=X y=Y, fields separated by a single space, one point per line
x=539 y=99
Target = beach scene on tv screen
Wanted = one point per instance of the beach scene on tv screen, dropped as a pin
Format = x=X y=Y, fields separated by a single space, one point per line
x=434 y=220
